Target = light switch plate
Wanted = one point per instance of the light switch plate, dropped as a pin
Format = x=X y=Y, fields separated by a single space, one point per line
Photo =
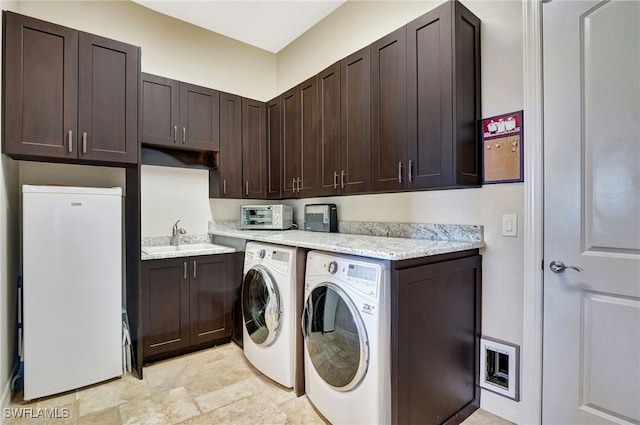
x=510 y=225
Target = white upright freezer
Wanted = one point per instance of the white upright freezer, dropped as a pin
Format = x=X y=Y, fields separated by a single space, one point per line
x=72 y=287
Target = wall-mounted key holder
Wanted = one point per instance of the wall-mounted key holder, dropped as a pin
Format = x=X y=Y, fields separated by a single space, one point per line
x=502 y=146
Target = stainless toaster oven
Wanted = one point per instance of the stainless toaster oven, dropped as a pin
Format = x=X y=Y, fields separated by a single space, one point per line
x=270 y=217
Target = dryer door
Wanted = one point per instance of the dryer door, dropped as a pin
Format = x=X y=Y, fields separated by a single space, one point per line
x=335 y=337
x=261 y=306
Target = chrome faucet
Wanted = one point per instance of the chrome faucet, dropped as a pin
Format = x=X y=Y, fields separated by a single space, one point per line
x=175 y=234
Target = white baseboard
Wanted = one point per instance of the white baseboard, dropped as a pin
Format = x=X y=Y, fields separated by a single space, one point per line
x=501 y=406
x=6 y=394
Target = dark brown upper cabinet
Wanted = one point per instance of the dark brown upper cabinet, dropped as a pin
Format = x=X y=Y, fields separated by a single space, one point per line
x=179 y=115
x=274 y=149
x=230 y=156
x=389 y=111
x=308 y=160
x=290 y=139
x=344 y=153
x=254 y=149
x=243 y=158
x=68 y=95
x=355 y=126
x=443 y=87
x=300 y=139
x=329 y=166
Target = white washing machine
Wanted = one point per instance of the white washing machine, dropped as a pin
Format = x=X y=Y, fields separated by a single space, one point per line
x=268 y=309
x=346 y=327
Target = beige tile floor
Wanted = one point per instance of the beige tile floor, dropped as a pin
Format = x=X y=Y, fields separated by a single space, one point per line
x=213 y=386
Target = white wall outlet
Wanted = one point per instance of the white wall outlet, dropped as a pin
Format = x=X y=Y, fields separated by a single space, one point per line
x=499 y=367
x=509 y=225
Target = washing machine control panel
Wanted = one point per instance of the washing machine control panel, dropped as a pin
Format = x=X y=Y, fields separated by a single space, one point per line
x=273 y=258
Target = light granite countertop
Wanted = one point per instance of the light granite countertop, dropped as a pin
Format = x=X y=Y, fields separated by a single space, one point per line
x=382 y=247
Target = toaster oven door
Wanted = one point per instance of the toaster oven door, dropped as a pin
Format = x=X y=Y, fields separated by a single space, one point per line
x=257 y=217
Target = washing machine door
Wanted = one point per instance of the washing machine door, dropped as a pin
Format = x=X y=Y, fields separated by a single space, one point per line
x=261 y=306
x=335 y=337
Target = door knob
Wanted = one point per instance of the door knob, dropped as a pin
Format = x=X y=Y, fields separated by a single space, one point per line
x=559 y=267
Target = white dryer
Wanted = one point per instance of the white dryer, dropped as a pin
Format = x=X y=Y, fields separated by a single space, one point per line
x=268 y=309
x=346 y=327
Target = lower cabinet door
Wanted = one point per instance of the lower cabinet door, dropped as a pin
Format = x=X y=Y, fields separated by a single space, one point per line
x=165 y=298
x=435 y=332
x=211 y=298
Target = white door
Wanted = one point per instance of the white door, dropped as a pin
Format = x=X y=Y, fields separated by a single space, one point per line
x=591 y=348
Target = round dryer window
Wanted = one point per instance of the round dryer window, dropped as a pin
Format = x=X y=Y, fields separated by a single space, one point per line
x=335 y=337
x=261 y=306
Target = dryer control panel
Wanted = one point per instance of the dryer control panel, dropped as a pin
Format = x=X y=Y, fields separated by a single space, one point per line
x=362 y=277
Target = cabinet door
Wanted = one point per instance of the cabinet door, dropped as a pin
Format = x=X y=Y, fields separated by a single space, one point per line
x=308 y=117
x=230 y=157
x=274 y=149
x=107 y=100
x=290 y=143
x=430 y=102
x=467 y=101
x=435 y=329
x=329 y=130
x=40 y=98
x=165 y=304
x=160 y=110
x=355 y=143
x=389 y=166
x=211 y=298
x=199 y=118
x=254 y=149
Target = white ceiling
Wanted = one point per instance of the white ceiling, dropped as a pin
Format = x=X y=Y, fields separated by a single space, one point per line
x=267 y=24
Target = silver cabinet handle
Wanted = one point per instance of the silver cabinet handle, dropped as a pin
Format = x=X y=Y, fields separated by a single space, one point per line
x=84 y=142
x=410 y=171
x=184 y=135
x=184 y=267
x=70 y=141
x=246 y=188
x=335 y=180
x=195 y=267
x=559 y=267
x=400 y=172
x=299 y=184
x=175 y=134
x=224 y=186
x=342 y=175
x=293 y=185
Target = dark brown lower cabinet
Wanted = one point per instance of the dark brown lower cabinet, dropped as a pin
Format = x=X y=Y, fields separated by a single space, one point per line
x=186 y=302
x=435 y=332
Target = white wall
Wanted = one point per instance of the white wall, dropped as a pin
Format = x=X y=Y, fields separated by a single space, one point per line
x=170 y=194
x=353 y=25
